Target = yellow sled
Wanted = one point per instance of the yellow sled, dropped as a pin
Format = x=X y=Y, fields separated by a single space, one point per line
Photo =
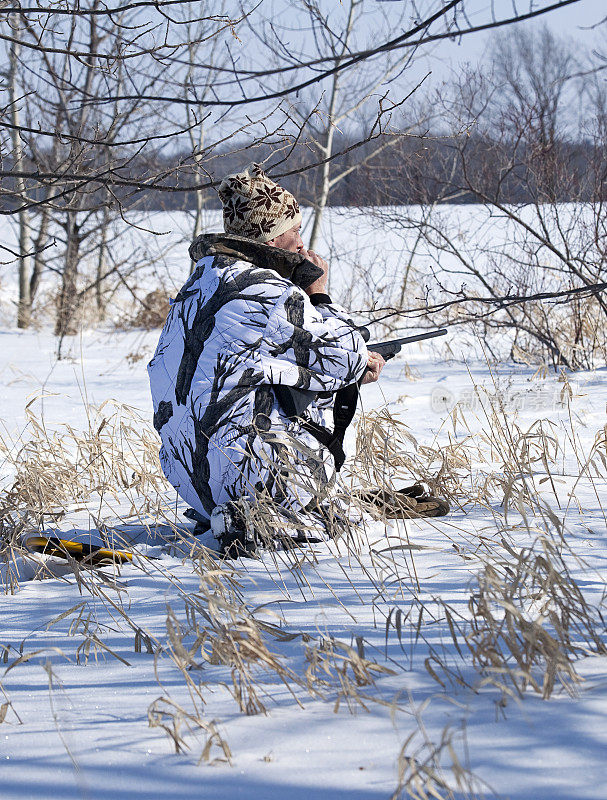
x=86 y=553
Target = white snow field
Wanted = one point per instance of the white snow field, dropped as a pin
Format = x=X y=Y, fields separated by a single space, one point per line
x=409 y=661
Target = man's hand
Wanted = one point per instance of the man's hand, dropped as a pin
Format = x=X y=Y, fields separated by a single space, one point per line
x=375 y=364
x=320 y=284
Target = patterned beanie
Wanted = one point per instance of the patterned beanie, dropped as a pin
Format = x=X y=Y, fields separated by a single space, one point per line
x=256 y=207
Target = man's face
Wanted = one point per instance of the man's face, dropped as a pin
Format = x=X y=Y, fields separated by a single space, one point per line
x=289 y=240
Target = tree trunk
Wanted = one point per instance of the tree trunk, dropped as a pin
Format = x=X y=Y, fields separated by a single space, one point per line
x=24 y=307
x=99 y=298
x=321 y=202
x=39 y=251
x=67 y=305
x=326 y=147
x=199 y=197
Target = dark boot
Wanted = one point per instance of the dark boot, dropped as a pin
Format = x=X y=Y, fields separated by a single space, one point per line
x=236 y=538
x=401 y=505
x=415 y=491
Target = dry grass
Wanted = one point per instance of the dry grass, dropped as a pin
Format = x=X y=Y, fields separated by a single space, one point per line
x=110 y=470
x=152 y=312
x=175 y=721
x=529 y=620
x=387 y=454
x=334 y=665
x=429 y=770
x=526 y=623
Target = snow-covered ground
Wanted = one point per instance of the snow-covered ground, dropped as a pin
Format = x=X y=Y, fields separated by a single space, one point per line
x=78 y=727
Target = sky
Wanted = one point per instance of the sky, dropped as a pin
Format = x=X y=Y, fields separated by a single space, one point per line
x=382 y=20
x=576 y=21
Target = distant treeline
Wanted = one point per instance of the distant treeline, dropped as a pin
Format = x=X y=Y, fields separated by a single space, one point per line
x=412 y=170
x=425 y=170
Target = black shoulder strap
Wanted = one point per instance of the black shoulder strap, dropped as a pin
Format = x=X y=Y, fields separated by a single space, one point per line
x=344 y=409
x=328 y=439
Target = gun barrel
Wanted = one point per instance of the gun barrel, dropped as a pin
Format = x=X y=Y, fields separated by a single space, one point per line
x=392 y=347
x=421 y=336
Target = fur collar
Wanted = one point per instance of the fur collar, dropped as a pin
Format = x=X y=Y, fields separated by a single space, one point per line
x=293 y=266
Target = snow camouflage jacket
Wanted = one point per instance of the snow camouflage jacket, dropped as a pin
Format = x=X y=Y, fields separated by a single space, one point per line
x=236 y=330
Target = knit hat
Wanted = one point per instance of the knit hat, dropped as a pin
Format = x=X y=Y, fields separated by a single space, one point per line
x=256 y=207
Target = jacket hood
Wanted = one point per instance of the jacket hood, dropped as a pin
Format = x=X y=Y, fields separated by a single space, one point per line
x=293 y=266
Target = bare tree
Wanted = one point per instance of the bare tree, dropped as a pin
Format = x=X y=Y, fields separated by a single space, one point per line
x=517 y=145
x=24 y=254
x=71 y=158
x=198 y=133
x=110 y=91
x=359 y=106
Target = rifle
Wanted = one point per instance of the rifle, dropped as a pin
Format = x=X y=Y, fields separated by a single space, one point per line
x=294 y=402
x=390 y=348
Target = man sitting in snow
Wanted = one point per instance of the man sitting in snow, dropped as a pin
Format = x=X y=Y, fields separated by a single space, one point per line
x=252 y=358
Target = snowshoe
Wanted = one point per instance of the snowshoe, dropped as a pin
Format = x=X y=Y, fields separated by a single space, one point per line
x=87 y=554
